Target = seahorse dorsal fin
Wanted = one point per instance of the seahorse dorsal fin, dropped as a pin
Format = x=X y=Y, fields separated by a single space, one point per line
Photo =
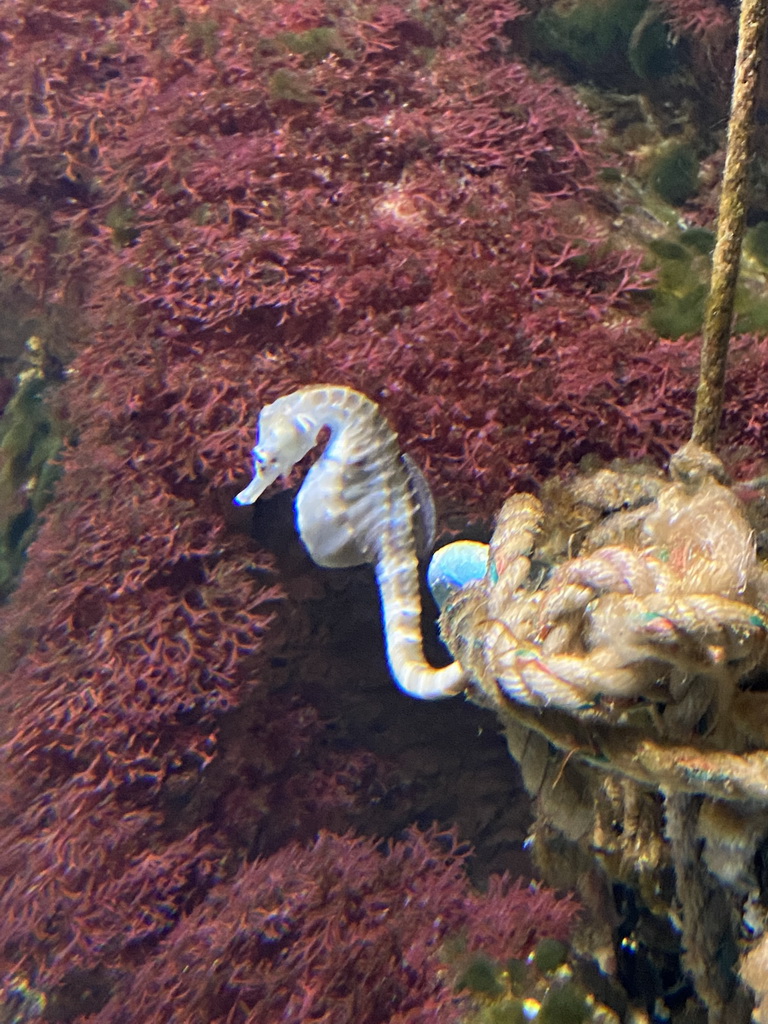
x=425 y=520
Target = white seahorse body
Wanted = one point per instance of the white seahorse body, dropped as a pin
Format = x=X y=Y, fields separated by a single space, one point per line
x=355 y=506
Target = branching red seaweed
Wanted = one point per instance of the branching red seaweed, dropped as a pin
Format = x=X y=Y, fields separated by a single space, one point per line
x=244 y=198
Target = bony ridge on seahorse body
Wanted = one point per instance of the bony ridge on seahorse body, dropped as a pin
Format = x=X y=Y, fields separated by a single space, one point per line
x=355 y=506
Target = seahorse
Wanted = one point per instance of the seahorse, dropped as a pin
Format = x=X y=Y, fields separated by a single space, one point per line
x=356 y=506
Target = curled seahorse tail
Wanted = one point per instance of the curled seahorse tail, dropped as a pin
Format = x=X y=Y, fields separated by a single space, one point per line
x=427 y=683
x=401 y=616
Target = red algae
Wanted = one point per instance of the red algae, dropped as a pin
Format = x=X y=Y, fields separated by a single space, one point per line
x=244 y=198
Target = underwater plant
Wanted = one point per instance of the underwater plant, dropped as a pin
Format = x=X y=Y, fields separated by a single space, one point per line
x=609 y=41
x=710 y=19
x=341 y=929
x=673 y=174
x=149 y=750
x=29 y=442
x=246 y=198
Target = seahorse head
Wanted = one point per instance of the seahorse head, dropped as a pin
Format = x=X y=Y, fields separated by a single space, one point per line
x=283 y=438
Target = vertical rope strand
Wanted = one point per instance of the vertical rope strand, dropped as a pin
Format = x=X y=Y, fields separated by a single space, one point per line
x=730 y=224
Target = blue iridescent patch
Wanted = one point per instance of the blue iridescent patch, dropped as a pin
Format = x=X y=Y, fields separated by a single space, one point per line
x=454 y=566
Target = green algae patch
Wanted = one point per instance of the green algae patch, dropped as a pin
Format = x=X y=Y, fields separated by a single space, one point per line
x=674 y=173
x=315 y=43
x=30 y=439
x=614 y=43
